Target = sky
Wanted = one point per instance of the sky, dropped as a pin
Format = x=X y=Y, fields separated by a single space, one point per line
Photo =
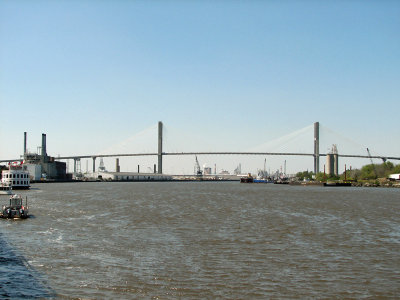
x=97 y=76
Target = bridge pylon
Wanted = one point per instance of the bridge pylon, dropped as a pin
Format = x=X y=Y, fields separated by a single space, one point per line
x=316 y=147
x=160 y=142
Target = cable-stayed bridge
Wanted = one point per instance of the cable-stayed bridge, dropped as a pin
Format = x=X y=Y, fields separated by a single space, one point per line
x=160 y=153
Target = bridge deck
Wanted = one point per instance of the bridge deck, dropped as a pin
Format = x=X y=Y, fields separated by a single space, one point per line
x=211 y=153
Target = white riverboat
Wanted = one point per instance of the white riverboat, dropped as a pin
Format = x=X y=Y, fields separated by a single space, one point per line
x=16 y=177
x=5 y=189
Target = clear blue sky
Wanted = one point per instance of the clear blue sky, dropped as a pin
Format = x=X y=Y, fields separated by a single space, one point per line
x=233 y=74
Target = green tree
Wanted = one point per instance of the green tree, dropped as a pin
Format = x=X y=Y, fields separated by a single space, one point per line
x=353 y=174
x=368 y=172
x=396 y=169
x=305 y=175
x=325 y=177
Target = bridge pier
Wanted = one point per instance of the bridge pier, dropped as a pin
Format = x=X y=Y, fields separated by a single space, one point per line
x=77 y=165
x=94 y=163
x=117 y=166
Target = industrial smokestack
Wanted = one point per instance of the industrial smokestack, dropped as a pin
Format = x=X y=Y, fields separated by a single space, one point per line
x=44 y=152
x=24 y=144
x=117 y=167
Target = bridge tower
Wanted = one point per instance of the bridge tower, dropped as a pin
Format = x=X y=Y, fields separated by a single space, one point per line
x=160 y=142
x=316 y=147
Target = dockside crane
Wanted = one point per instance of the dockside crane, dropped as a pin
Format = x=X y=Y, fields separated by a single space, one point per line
x=198 y=170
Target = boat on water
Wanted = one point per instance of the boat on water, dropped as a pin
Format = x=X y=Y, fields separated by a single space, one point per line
x=16 y=209
x=247 y=179
x=5 y=189
x=16 y=176
x=337 y=183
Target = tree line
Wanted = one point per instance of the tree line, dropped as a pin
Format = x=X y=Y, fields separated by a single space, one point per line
x=367 y=172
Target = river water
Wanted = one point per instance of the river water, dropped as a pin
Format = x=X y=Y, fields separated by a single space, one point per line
x=202 y=240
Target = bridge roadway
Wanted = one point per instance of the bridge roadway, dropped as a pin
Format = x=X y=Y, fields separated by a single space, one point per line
x=225 y=153
x=210 y=153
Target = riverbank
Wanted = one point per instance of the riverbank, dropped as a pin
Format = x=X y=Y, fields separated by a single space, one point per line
x=377 y=183
x=360 y=183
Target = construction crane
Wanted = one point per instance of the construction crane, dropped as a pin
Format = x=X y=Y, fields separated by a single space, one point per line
x=372 y=163
x=198 y=170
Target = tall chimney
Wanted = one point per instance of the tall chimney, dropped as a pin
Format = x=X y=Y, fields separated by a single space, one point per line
x=24 y=144
x=117 y=167
x=44 y=152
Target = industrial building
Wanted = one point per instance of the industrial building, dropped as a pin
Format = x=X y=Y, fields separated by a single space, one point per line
x=43 y=167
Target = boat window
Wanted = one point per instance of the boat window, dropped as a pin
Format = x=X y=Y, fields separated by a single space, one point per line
x=16 y=202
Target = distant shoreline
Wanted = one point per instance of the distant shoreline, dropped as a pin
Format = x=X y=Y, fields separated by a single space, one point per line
x=386 y=184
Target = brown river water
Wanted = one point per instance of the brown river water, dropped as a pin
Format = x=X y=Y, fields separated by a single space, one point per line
x=202 y=240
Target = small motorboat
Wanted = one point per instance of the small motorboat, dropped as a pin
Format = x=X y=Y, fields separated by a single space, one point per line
x=16 y=209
